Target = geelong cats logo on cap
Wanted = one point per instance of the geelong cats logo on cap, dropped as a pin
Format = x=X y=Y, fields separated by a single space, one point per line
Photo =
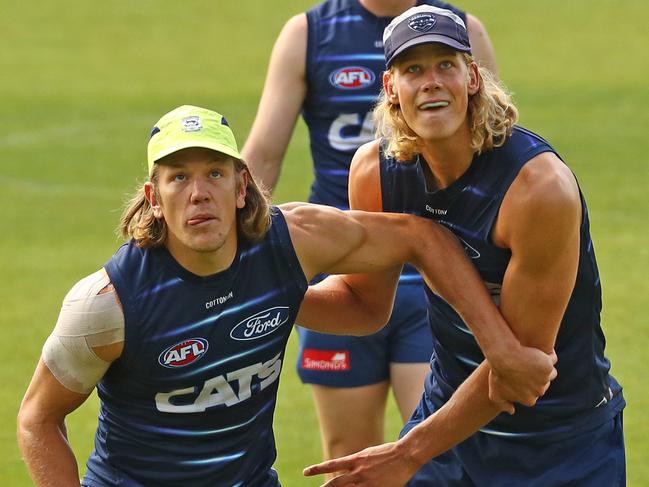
x=422 y=22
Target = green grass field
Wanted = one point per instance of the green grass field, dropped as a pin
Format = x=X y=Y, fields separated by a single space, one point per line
x=81 y=83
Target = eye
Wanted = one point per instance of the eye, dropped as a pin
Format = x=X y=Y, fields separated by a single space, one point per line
x=446 y=65
x=413 y=68
x=215 y=174
x=179 y=177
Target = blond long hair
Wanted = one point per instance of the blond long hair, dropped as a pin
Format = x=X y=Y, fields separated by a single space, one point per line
x=491 y=113
x=139 y=223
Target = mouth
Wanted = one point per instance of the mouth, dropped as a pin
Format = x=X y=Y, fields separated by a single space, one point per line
x=198 y=220
x=433 y=105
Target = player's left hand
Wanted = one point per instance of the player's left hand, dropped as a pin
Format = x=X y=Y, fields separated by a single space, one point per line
x=383 y=465
x=522 y=378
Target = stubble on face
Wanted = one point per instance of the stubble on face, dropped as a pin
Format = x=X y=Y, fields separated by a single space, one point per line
x=197 y=195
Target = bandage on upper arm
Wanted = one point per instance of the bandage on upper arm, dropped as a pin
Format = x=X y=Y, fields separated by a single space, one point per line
x=89 y=318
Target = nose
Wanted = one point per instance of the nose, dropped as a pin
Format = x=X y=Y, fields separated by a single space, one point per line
x=431 y=80
x=199 y=191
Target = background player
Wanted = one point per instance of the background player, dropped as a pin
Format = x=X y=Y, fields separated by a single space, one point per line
x=451 y=152
x=183 y=331
x=327 y=63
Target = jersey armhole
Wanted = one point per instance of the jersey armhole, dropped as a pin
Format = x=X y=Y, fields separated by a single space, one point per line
x=280 y=228
x=117 y=279
x=312 y=18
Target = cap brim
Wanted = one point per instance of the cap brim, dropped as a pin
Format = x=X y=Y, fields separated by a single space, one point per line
x=428 y=39
x=223 y=149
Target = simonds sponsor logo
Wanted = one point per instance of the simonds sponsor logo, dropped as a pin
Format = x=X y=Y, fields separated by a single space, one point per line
x=260 y=324
x=351 y=78
x=183 y=353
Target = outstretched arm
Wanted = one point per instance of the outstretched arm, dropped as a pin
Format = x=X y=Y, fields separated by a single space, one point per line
x=539 y=221
x=280 y=104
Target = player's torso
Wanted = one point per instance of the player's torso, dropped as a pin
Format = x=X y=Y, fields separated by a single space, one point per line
x=469 y=208
x=344 y=67
x=195 y=388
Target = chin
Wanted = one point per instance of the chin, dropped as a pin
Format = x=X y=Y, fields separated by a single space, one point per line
x=206 y=247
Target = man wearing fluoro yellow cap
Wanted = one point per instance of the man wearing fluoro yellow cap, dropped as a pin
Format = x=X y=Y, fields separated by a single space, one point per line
x=183 y=330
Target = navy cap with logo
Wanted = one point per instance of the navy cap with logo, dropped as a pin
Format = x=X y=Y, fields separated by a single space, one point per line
x=424 y=25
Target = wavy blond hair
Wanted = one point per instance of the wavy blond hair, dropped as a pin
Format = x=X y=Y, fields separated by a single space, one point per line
x=491 y=113
x=139 y=223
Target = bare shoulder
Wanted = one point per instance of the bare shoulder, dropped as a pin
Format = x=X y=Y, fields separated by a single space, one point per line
x=546 y=180
x=366 y=158
x=474 y=25
x=544 y=197
x=365 y=178
x=297 y=23
x=294 y=32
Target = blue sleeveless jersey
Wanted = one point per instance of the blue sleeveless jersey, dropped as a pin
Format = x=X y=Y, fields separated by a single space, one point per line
x=191 y=399
x=344 y=67
x=584 y=394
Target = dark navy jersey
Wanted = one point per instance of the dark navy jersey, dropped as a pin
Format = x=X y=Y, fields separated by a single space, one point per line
x=583 y=394
x=191 y=399
x=344 y=66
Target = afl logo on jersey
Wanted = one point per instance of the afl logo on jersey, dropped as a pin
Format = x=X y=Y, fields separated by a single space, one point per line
x=261 y=324
x=183 y=353
x=351 y=78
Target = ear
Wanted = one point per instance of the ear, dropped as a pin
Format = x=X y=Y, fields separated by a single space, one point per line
x=150 y=196
x=474 y=79
x=242 y=189
x=388 y=86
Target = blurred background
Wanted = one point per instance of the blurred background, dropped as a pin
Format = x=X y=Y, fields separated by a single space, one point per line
x=81 y=84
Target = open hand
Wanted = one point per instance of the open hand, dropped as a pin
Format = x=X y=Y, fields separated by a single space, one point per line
x=378 y=466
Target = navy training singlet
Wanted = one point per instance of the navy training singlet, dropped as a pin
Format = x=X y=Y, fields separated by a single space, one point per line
x=344 y=67
x=191 y=399
x=583 y=395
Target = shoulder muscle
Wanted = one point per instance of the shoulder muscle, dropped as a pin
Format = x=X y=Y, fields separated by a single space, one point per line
x=365 y=178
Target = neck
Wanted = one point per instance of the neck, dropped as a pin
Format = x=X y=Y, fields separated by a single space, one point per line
x=204 y=262
x=448 y=159
x=387 y=8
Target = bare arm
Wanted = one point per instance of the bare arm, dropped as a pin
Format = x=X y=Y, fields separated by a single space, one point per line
x=481 y=46
x=41 y=428
x=280 y=104
x=539 y=222
x=367 y=299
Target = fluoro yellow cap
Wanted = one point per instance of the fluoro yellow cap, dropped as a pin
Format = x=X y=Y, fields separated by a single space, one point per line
x=189 y=126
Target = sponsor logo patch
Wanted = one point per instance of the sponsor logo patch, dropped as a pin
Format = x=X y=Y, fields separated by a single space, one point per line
x=183 y=353
x=352 y=78
x=326 y=360
x=260 y=324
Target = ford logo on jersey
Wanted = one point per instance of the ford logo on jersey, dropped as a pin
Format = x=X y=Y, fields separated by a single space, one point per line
x=352 y=78
x=261 y=324
x=183 y=353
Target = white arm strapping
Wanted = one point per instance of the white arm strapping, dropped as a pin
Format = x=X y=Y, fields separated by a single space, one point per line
x=87 y=320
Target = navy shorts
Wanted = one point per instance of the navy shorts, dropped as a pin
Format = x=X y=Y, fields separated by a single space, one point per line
x=347 y=361
x=592 y=458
